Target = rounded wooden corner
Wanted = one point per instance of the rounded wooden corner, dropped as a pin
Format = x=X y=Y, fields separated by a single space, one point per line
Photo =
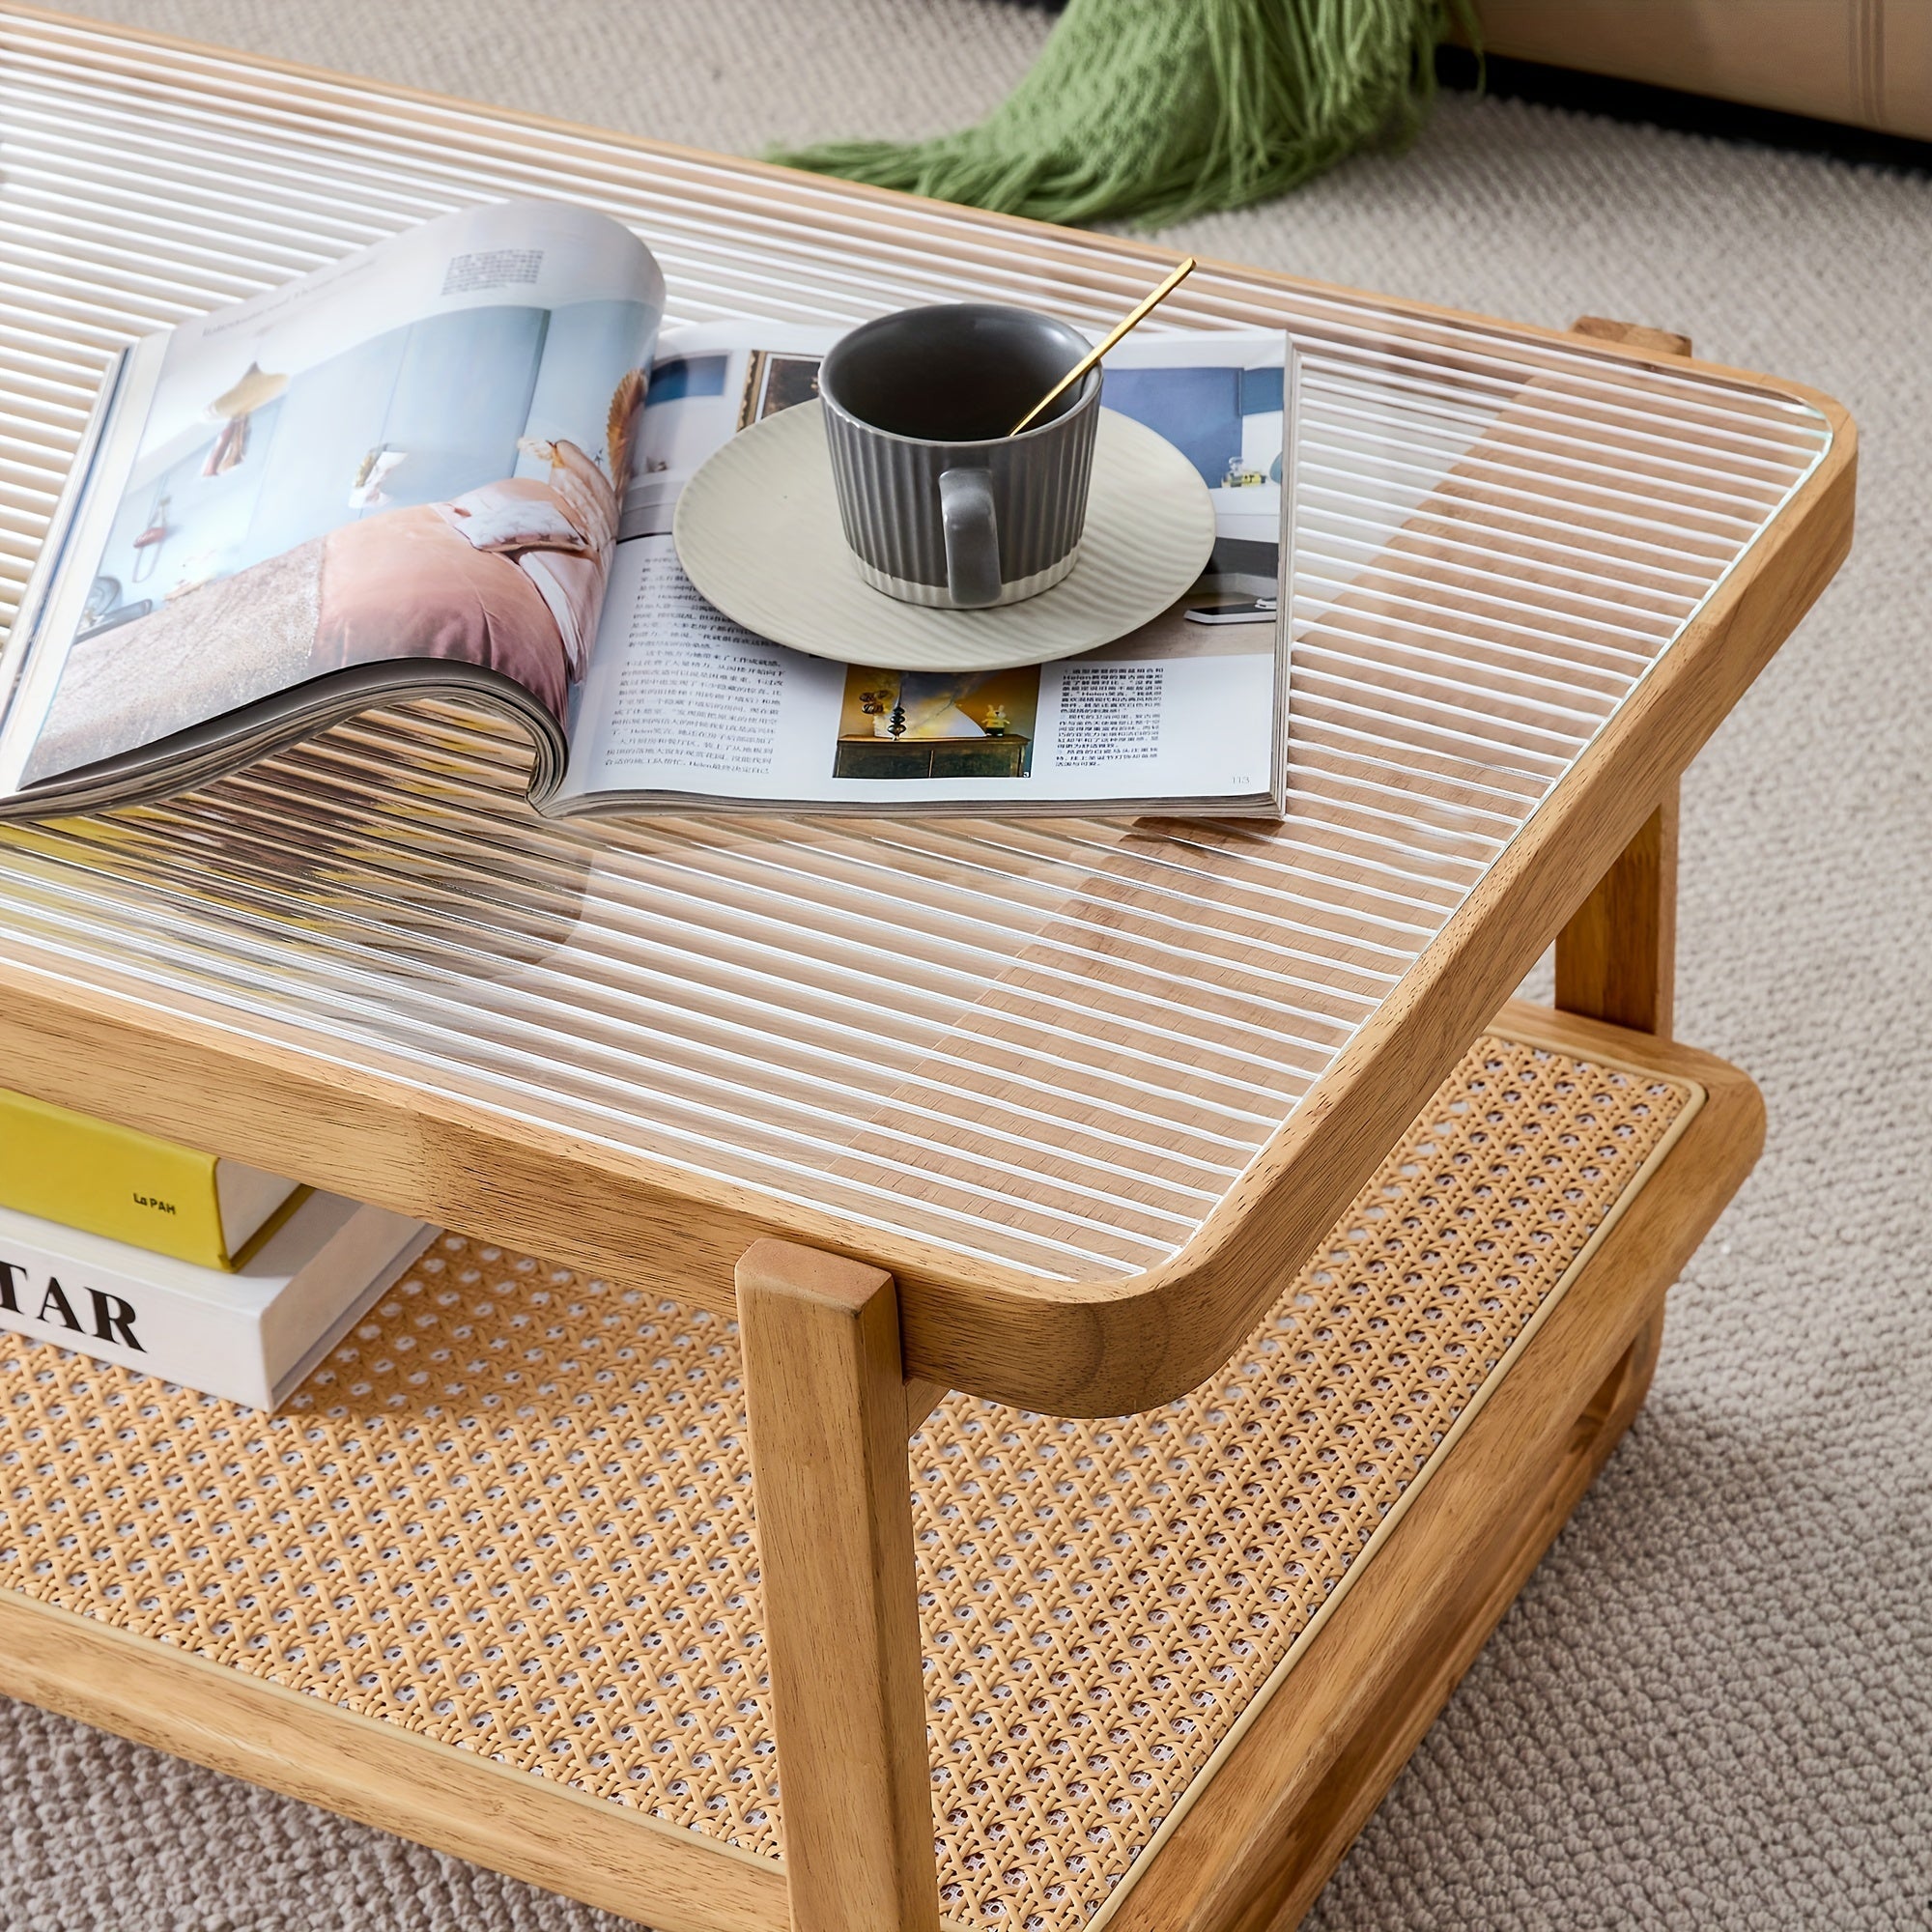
x=1121 y=1348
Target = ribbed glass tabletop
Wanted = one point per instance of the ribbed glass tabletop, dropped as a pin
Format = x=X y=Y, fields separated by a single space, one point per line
x=1053 y=1046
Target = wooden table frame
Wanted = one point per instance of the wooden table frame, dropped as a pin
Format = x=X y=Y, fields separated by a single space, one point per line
x=849 y=1345
x=1282 y=1812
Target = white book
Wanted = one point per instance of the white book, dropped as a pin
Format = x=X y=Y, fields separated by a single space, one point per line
x=250 y=1334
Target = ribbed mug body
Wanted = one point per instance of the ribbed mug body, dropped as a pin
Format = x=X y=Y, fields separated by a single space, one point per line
x=897 y=488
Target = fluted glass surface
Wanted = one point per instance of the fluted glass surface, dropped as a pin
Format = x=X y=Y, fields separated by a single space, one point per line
x=1055 y=1045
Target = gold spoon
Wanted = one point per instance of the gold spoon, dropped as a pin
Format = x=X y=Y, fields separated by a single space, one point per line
x=1134 y=317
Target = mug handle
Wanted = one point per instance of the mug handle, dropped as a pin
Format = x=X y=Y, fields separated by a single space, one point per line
x=972 y=538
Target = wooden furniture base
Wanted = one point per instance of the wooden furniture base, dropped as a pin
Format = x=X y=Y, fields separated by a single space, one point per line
x=563 y=1681
x=1864 y=61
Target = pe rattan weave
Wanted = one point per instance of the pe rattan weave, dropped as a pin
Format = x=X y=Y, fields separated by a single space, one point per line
x=513 y=1512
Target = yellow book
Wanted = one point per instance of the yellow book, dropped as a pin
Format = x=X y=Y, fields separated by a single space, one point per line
x=128 y=1186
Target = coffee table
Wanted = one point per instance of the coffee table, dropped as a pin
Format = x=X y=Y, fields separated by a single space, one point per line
x=1255 y=1286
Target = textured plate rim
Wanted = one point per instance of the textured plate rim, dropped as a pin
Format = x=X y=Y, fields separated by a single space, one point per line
x=925 y=655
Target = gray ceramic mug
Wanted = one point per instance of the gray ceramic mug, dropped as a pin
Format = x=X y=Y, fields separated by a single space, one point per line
x=942 y=505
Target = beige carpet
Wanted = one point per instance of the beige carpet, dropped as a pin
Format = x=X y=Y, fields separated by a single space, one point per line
x=1712 y=1705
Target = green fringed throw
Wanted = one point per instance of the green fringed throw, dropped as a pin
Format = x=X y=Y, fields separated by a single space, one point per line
x=1155 y=109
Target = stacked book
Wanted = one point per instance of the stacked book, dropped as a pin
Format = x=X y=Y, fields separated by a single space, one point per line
x=177 y=1264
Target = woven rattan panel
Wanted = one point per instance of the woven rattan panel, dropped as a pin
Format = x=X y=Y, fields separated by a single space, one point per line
x=514 y=1512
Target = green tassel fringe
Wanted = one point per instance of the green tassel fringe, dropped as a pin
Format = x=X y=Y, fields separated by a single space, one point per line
x=1150 y=110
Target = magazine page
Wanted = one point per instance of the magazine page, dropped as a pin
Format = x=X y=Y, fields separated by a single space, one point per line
x=405 y=467
x=680 y=704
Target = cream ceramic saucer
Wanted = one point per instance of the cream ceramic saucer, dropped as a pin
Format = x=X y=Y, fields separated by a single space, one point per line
x=758 y=532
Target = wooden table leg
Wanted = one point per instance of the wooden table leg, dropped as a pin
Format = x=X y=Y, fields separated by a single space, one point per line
x=1616 y=959
x=827 y=1399
x=1633 y=334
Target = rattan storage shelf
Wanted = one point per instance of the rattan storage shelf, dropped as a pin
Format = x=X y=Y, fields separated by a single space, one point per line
x=514 y=1515
x=553 y=1566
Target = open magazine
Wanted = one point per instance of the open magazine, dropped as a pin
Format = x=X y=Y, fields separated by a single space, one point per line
x=446 y=467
